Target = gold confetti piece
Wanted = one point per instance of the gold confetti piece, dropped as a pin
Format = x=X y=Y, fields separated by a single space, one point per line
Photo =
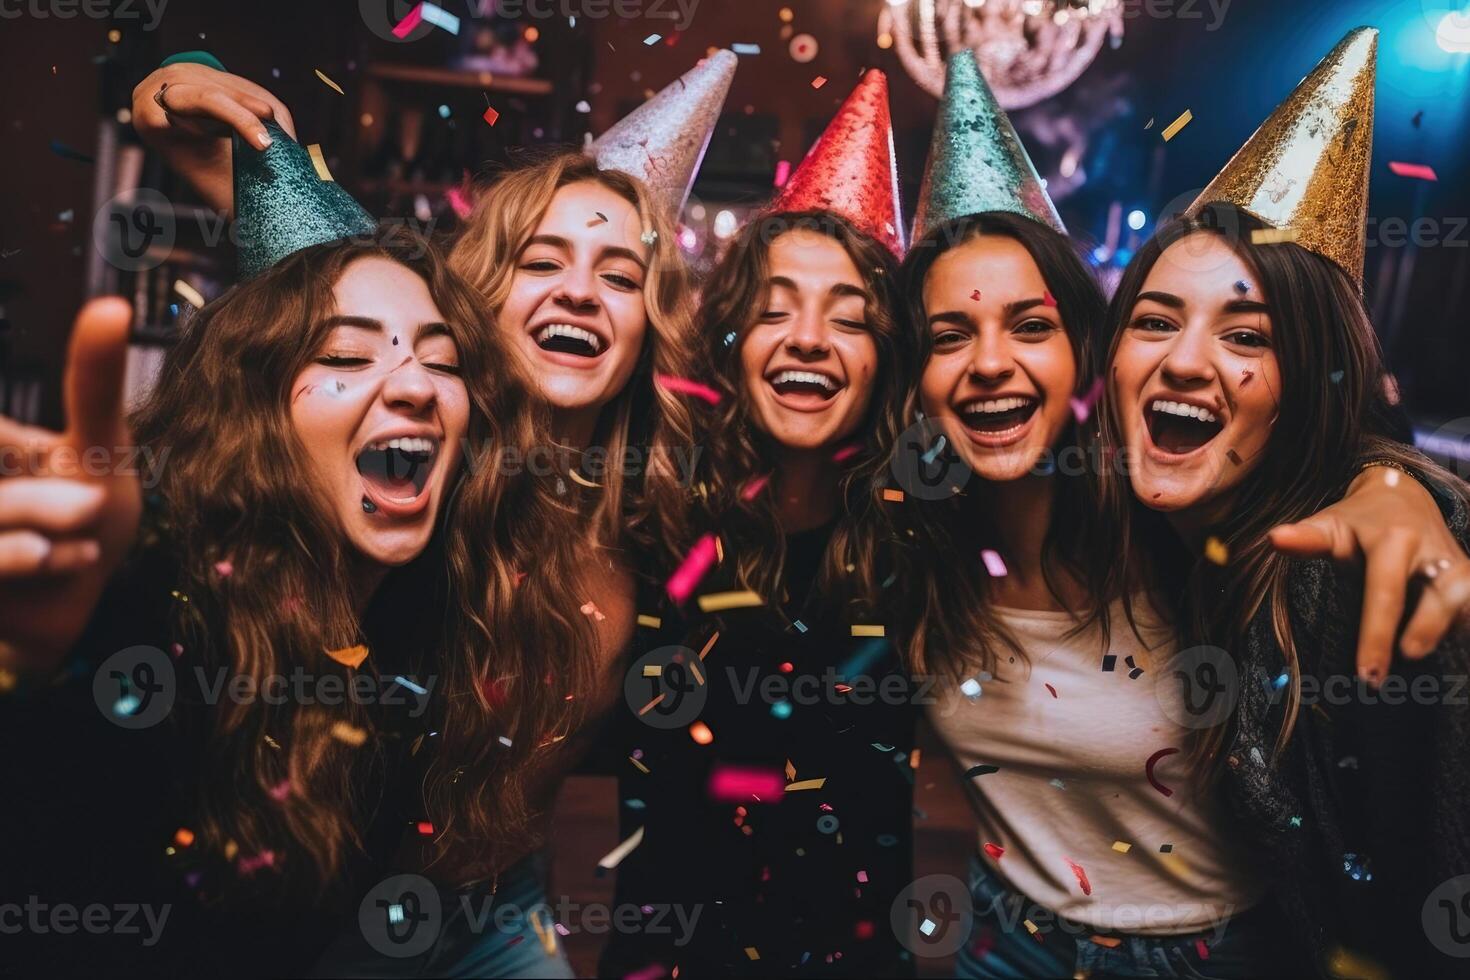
x=700 y=732
x=350 y=656
x=183 y=837
x=189 y=293
x=1122 y=847
x=547 y=937
x=790 y=770
x=272 y=743
x=719 y=551
x=658 y=699
x=893 y=496
x=579 y=478
x=652 y=622
x=694 y=669
x=653 y=670
x=320 y=162
x=708 y=645
x=1216 y=551
x=641 y=767
x=716 y=601
x=914 y=759
x=1272 y=236
x=1031 y=927
x=806 y=784
x=231 y=849
x=859 y=629
x=614 y=857
x=350 y=734
x=752 y=952
x=330 y=84
x=1172 y=130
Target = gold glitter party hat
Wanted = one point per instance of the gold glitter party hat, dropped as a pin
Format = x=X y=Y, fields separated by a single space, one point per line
x=1306 y=169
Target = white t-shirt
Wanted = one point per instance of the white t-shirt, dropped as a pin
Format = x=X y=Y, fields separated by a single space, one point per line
x=1072 y=798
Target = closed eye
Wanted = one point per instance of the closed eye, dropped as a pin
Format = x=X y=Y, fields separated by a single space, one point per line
x=541 y=265
x=339 y=361
x=453 y=369
x=621 y=281
x=772 y=315
x=852 y=324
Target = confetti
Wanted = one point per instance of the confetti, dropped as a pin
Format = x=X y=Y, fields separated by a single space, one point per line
x=224 y=568
x=783 y=172
x=1052 y=690
x=970 y=688
x=975 y=295
x=405 y=26
x=1047 y=299
x=183 y=837
x=440 y=17
x=737 y=784
x=847 y=452
x=1109 y=662
x=1134 y=671
x=806 y=784
x=746 y=48
x=685 y=386
x=67 y=153
x=652 y=622
x=994 y=564
x=350 y=734
x=350 y=656
x=425 y=828
x=641 y=767
x=803 y=49
x=1166 y=848
x=752 y=953
x=1058 y=784
x=1216 y=551
x=867 y=630
x=330 y=84
x=1148 y=770
x=1081 y=875
x=1337 y=376
x=984 y=769
x=1082 y=407
x=615 y=856
x=716 y=601
x=1172 y=130
x=589 y=608
x=598 y=219
x=995 y=851
x=1272 y=236
x=754 y=487
x=189 y=293
x=893 y=496
x=1233 y=456
x=491 y=115
x=701 y=734
x=319 y=163
x=1122 y=847
x=1418 y=171
x=682 y=583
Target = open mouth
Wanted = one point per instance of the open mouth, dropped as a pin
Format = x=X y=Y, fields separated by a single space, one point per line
x=1179 y=429
x=813 y=384
x=397 y=470
x=563 y=338
x=999 y=416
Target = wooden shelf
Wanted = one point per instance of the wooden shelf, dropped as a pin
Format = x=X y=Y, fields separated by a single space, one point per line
x=460 y=77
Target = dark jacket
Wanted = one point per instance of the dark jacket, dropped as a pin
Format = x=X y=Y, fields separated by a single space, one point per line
x=1366 y=810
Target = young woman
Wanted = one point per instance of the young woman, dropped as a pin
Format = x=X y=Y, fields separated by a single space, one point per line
x=1103 y=850
x=767 y=761
x=309 y=603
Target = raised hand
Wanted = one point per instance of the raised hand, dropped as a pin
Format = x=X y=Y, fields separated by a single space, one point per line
x=70 y=501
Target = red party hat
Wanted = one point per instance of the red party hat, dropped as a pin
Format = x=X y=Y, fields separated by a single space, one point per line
x=850 y=170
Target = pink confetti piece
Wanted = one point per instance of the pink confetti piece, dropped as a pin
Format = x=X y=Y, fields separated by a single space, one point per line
x=491 y=115
x=1047 y=299
x=1202 y=949
x=994 y=564
x=862 y=877
x=1081 y=875
x=281 y=790
x=405 y=26
x=589 y=608
x=819 y=81
x=460 y=202
x=1419 y=171
x=1082 y=407
x=685 y=386
x=250 y=865
x=737 y=784
x=783 y=172
x=754 y=487
x=225 y=568
x=689 y=573
x=847 y=452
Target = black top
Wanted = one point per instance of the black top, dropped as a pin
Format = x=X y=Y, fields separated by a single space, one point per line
x=92 y=808
x=784 y=882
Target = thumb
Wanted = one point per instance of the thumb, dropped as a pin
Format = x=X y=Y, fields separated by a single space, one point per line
x=1311 y=538
x=95 y=365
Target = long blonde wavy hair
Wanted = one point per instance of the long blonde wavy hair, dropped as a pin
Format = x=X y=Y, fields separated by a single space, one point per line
x=650 y=514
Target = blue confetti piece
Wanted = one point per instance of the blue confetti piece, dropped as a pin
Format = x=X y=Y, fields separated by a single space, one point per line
x=634 y=804
x=799 y=625
x=405 y=682
x=746 y=48
x=781 y=709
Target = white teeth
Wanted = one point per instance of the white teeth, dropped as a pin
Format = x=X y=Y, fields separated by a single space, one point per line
x=810 y=377
x=995 y=406
x=407 y=445
x=1184 y=411
x=567 y=330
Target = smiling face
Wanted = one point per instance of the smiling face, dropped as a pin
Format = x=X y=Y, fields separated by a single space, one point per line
x=810 y=362
x=1002 y=371
x=575 y=310
x=1195 y=377
x=382 y=412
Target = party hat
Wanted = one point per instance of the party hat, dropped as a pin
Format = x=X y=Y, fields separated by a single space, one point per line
x=283 y=206
x=662 y=141
x=850 y=170
x=1306 y=169
x=976 y=161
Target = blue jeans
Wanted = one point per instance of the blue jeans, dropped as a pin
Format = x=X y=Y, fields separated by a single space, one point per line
x=501 y=929
x=1248 y=945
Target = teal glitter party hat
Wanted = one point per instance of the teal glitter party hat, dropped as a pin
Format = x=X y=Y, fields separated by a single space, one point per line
x=976 y=161
x=283 y=206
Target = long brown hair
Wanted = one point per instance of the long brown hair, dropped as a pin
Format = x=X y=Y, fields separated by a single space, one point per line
x=233 y=491
x=738 y=452
x=1332 y=382
x=950 y=626
x=645 y=415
